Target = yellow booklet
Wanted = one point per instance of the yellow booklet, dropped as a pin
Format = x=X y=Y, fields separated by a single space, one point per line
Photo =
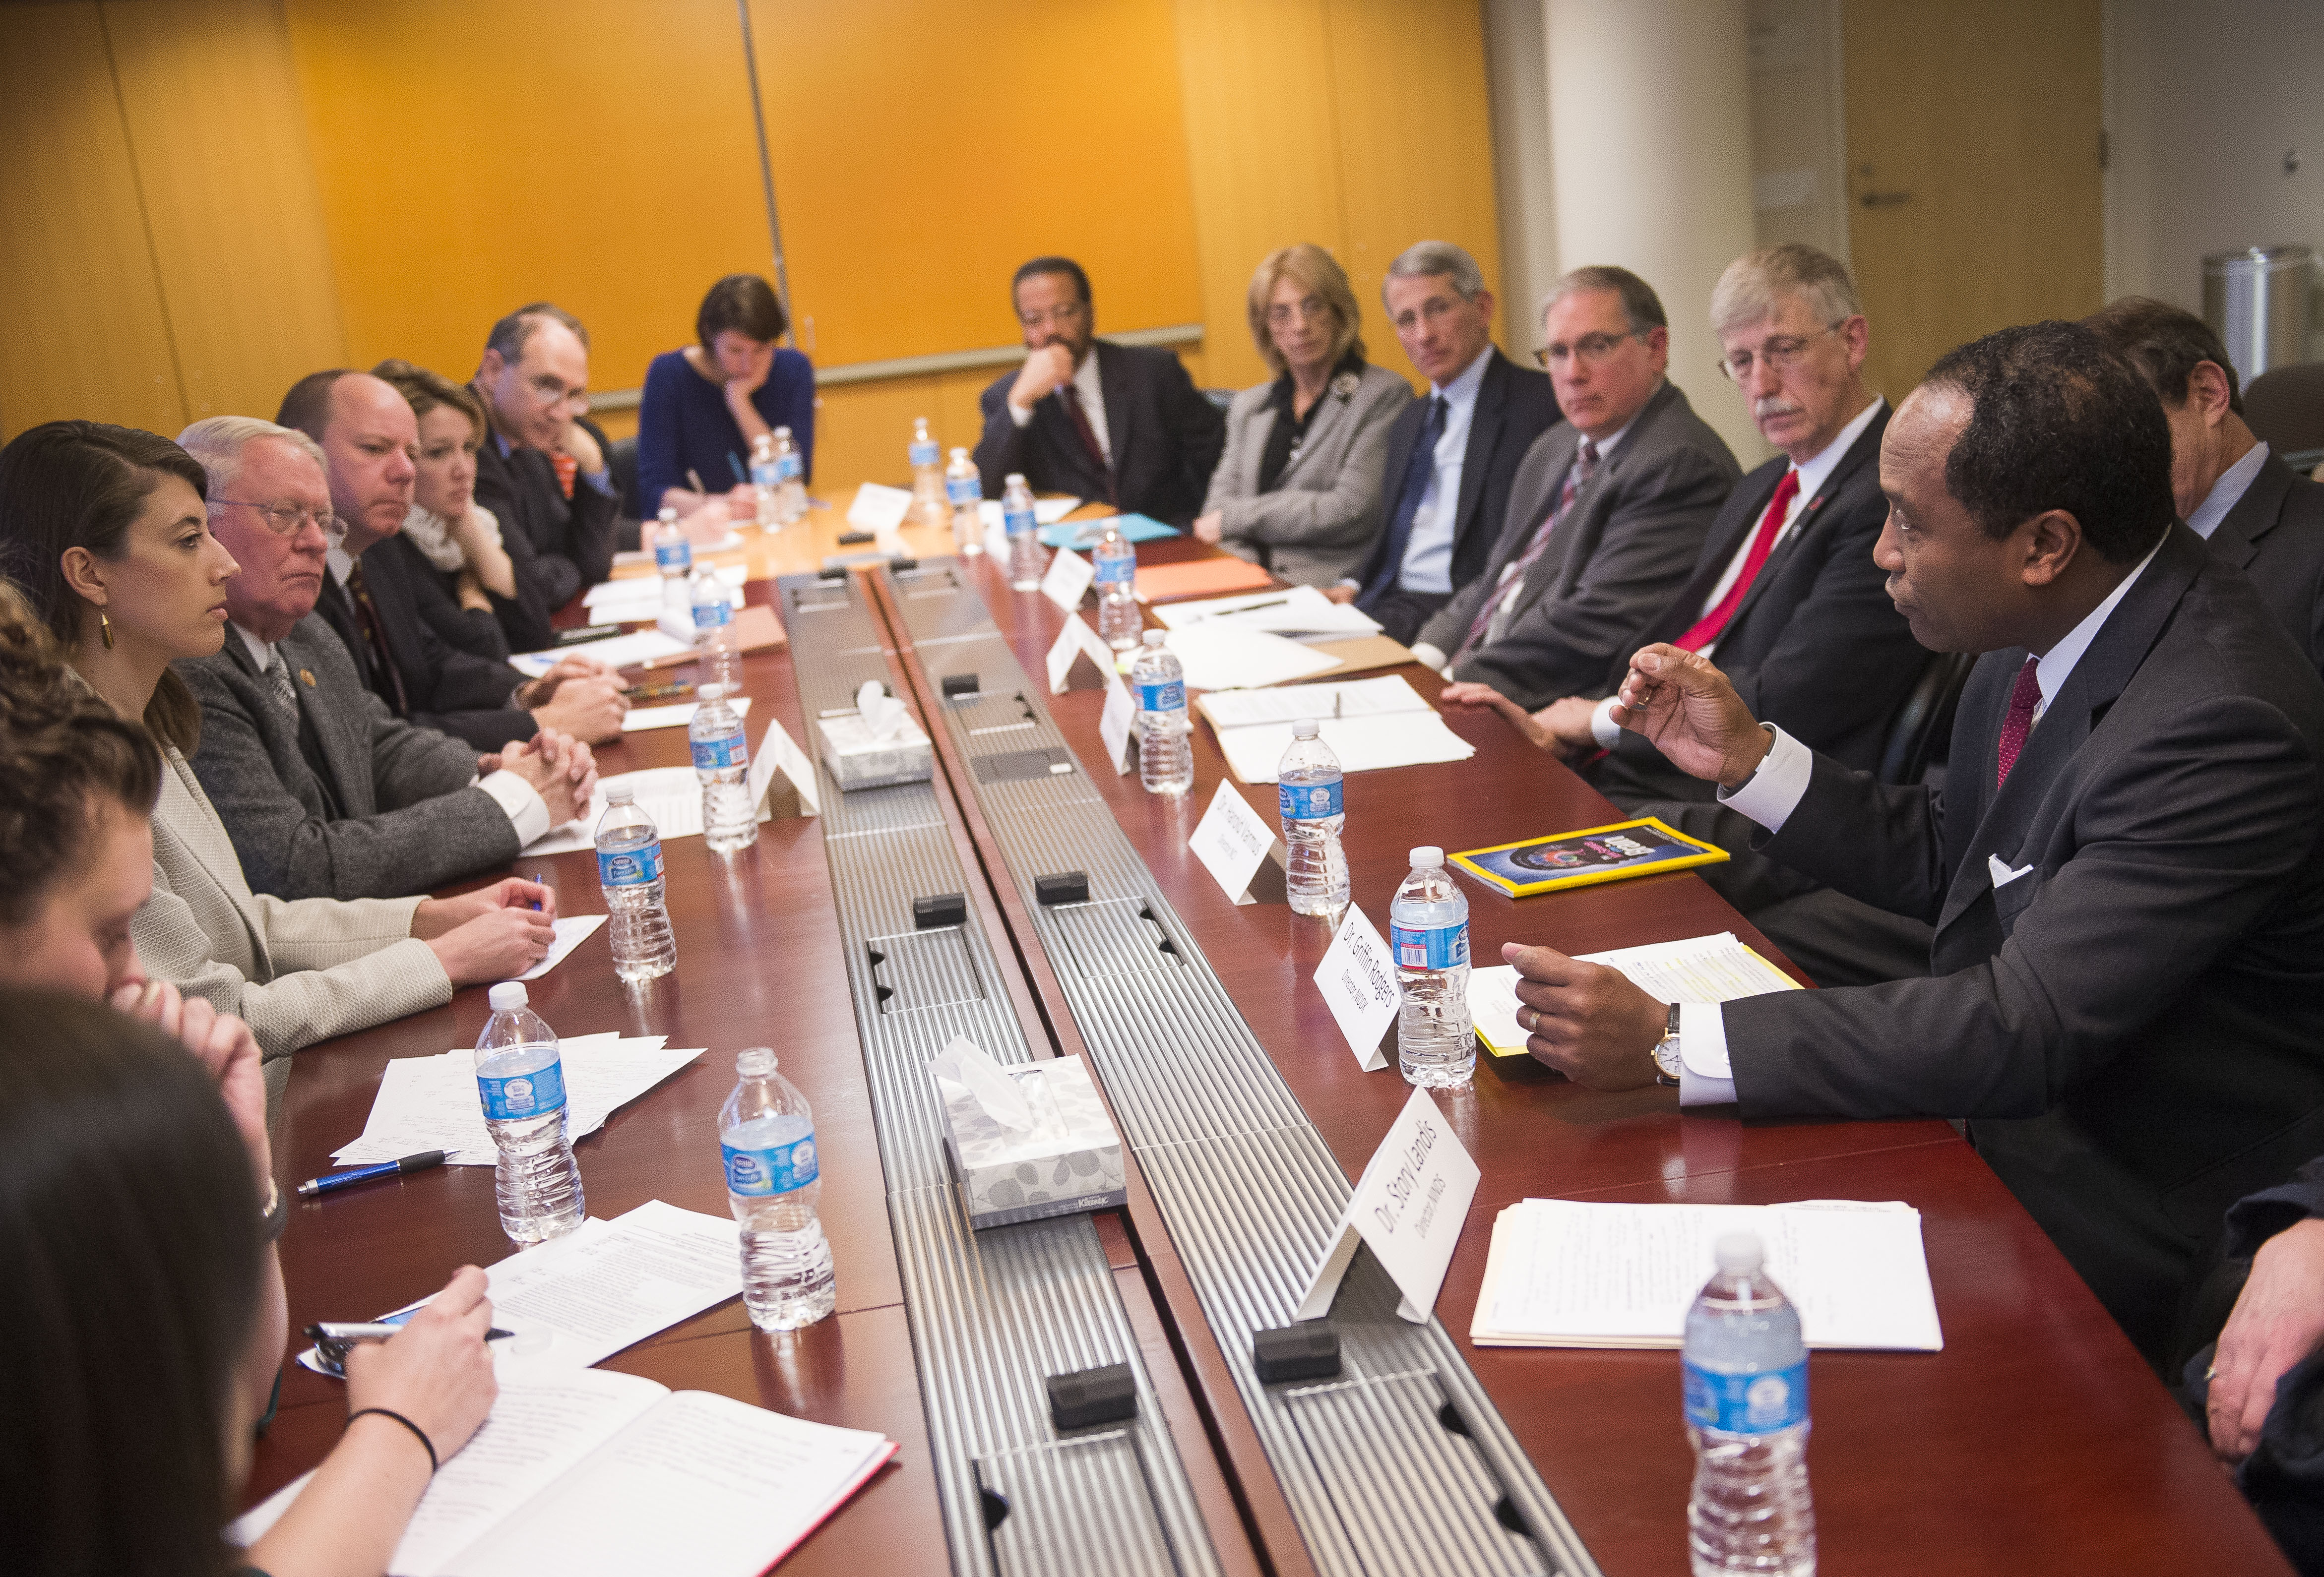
x=1594 y=854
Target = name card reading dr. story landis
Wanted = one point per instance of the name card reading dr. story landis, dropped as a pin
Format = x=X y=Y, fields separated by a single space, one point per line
x=1358 y=980
x=1409 y=1205
x=1239 y=850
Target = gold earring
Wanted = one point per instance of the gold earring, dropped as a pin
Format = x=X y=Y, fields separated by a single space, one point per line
x=105 y=628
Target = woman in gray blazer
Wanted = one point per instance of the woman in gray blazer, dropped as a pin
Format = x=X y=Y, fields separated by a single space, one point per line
x=105 y=531
x=1298 y=489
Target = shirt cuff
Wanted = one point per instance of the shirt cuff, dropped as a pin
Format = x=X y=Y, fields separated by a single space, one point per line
x=1349 y=580
x=1705 y=1078
x=603 y=480
x=1602 y=726
x=1022 y=415
x=525 y=808
x=1771 y=794
x=1431 y=657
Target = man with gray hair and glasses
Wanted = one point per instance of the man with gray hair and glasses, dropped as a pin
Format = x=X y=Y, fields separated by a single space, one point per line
x=1450 y=456
x=324 y=791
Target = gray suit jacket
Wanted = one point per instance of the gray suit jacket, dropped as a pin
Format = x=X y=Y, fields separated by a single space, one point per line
x=365 y=805
x=1319 y=523
x=2135 y=1026
x=2275 y=535
x=1620 y=555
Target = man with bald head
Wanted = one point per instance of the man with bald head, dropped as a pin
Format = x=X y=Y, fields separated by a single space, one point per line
x=373 y=594
x=541 y=471
x=325 y=792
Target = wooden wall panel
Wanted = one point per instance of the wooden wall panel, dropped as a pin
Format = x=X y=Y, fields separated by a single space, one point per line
x=83 y=332
x=212 y=104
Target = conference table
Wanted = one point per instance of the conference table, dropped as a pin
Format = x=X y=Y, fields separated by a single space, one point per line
x=2037 y=1440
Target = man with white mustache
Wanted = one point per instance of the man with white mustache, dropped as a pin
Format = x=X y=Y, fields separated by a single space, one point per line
x=1785 y=595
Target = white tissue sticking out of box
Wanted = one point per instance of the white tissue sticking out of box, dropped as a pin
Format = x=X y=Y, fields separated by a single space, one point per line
x=988 y=1084
x=884 y=716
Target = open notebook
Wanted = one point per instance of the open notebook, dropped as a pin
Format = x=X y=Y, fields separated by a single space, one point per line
x=598 y=1474
x=1369 y=724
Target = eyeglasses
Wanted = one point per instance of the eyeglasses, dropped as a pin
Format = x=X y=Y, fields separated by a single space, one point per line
x=285 y=519
x=552 y=392
x=1592 y=348
x=1060 y=315
x=1310 y=306
x=1781 y=353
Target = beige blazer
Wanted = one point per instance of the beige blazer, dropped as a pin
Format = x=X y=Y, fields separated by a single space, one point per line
x=297 y=972
x=1319 y=523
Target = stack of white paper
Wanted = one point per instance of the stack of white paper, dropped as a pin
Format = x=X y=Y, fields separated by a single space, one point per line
x=1302 y=611
x=1699 y=969
x=613 y=651
x=672 y=795
x=1369 y=724
x=638 y=600
x=677 y=715
x=429 y=1102
x=1562 y=1273
x=1218 y=657
x=1047 y=512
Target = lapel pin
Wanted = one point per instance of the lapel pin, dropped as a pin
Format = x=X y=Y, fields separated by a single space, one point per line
x=306 y=678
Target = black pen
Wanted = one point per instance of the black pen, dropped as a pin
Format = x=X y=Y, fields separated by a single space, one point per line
x=347 y=1334
x=330 y=1180
x=1246 y=608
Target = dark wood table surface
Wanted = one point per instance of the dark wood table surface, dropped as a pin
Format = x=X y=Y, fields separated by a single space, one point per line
x=2036 y=1440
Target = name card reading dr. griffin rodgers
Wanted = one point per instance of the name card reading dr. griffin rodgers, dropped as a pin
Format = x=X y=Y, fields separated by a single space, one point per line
x=1409 y=1205
x=1358 y=980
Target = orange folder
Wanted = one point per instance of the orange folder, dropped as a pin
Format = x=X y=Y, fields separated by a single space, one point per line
x=1202 y=578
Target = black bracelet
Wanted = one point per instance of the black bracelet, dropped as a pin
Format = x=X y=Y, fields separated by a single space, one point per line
x=426 y=1444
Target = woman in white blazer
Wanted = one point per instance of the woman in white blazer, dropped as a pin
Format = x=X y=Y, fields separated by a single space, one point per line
x=1298 y=489
x=105 y=531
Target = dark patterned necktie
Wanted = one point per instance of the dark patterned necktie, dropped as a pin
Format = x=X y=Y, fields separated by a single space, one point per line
x=2020 y=721
x=1088 y=434
x=374 y=634
x=278 y=679
x=1577 y=478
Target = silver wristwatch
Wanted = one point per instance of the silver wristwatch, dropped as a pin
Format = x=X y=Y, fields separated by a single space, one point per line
x=1666 y=1053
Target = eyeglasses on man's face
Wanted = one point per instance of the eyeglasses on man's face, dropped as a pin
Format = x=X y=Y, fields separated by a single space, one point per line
x=1060 y=315
x=549 y=392
x=1780 y=353
x=1592 y=348
x=285 y=519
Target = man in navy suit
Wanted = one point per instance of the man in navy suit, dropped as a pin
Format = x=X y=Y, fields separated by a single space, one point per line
x=1116 y=424
x=1452 y=456
x=2124 y=870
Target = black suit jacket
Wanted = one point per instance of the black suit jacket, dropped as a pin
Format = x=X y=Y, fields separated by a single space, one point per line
x=464 y=696
x=2135 y=1026
x=2275 y=535
x=558 y=547
x=1514 y=406
x=1817 y=647
x=1165 y=435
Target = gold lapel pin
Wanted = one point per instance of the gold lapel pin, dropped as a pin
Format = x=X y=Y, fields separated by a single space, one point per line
x=306 y=678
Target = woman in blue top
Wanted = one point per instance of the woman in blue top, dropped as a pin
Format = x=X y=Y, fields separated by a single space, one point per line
x=705 y=406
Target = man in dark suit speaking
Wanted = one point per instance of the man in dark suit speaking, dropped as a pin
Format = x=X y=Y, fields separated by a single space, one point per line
x=2127 y=991
x=1116 y=424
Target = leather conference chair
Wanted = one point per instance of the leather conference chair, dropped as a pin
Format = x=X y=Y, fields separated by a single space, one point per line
x=2284 y=407
x=1923 y=729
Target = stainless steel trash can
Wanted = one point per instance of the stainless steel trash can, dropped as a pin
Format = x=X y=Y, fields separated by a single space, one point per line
x=2258 y=300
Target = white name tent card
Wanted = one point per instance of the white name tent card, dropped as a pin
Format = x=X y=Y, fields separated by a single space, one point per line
x=1115 y=724
x=782 y=775
x=878 y=509
x=1078 y=659
x=1409 y=1205
x=1358 y=980
x=1069 y=577
x=1239 y=848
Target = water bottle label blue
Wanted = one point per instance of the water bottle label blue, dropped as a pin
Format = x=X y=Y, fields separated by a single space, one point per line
x=1170 y=696
x=1748 y=1404
x=1018 y=522
x=532 y=1094
x=717 y=755
x=766 y=473
x=963 y=490
x=922 y=454
x=1119 y=571
x=776 y=1171
x=1434 y=947
x=630 y=867
x=673 y=558
x=1308 y=801
x=787 y=467
x=710 y=615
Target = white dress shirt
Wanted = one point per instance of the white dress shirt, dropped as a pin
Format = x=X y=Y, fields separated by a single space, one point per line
x=519 y=800
x=1092 y=401
x=2227 y=493
x=1814 y=473
x=1771 y=794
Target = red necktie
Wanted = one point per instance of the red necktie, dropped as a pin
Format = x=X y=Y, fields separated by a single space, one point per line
x=2020 y=721
x=567 y=468
x=1707 y=628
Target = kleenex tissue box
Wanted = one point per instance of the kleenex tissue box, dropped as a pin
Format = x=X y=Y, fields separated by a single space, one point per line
x=877 y=747
x=1027 y=1142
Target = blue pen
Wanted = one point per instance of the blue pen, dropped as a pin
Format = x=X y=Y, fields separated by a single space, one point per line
x=740 y=475
x=331 y=1180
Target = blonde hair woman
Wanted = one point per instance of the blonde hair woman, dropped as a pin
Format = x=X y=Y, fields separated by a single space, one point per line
x=1298 y=489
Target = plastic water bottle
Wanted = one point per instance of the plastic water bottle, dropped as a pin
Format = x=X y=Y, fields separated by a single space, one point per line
x=674 y=557
x=1166 y=754
x=1747 y=1415
x=722 y=760
x=965 y=491
x=765 y=480
x=1119 y=622
x=629 y=868
x=791 y=484
x=1307 y=793
x=1026 y=562
x=1428 y=927
x=520 y=1084
x=928 y=476
x=767 y=1134
x=712 y=604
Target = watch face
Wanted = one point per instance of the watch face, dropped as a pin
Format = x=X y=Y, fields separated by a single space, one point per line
x=1666 y=1054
